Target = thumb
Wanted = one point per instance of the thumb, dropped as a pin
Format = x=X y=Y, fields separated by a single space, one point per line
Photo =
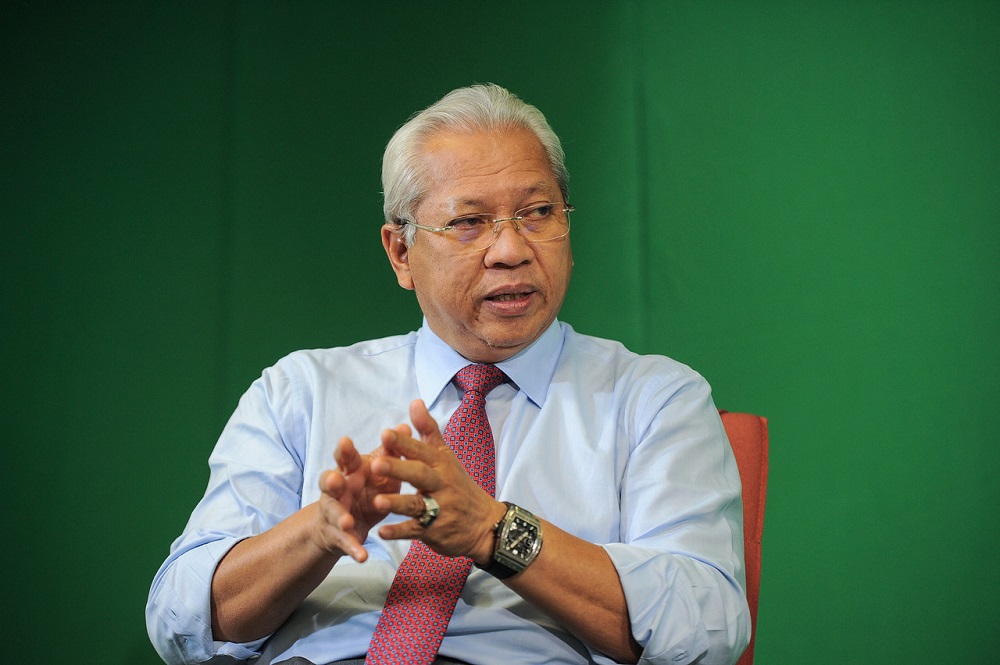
x=424 y=423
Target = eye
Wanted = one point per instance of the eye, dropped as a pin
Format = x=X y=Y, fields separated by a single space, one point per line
x=469 y=222
x=539 y=211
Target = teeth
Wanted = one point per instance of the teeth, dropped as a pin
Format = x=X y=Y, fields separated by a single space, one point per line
x=507 y=296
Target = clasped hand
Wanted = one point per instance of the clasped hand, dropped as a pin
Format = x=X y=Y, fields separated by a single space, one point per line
x=366 y=488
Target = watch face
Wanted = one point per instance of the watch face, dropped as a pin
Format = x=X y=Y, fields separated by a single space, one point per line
x=521 y=538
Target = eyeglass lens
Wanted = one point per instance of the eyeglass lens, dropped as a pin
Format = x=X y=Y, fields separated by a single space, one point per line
x=537 y=223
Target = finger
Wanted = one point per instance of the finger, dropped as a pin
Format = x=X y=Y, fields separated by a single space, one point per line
x=332 y=483
x=409 y=505
x=346 y=456
x=402 y=531
x=400 y=444
x=413 y=471
x=424 y=423
x=350 y=546
x=388 y=439
x=338 y=532
x=357 y=552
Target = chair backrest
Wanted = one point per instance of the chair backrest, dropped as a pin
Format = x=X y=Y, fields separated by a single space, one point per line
x=748 y=436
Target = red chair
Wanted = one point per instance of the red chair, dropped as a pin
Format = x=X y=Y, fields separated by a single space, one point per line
x=748 y=437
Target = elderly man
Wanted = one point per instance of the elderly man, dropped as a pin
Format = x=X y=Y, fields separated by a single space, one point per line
x=580 y=504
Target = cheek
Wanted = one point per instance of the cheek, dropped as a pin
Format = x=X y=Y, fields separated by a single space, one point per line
x=443 y=280
x=424 y=265
x=559 y=269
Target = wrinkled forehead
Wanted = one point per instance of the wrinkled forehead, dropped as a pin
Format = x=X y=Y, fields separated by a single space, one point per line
x=536 y=192
x=485 y=168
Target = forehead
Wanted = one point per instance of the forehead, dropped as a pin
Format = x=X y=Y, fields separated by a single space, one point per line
x=485 y=168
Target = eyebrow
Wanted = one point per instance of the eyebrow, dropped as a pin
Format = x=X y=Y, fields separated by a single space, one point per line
x=537 y=188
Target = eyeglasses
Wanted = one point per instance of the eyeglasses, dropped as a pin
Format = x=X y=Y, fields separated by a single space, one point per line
x=539 y=222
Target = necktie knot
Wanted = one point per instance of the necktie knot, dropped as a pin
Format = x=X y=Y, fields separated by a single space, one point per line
x=479 y=378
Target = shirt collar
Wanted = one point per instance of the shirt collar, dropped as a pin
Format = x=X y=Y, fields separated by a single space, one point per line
x=531 y=370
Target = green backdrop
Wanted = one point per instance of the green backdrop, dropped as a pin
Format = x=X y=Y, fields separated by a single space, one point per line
x=801 y=200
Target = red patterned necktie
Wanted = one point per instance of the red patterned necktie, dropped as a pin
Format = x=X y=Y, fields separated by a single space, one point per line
x=426 y=588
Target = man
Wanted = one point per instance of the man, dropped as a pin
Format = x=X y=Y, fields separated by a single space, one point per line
x=600 y=503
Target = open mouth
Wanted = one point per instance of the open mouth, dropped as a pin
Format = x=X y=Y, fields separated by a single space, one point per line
x=506 y=297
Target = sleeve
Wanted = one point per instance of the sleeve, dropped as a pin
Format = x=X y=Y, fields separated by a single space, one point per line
x=680 y=559
x=255 y=482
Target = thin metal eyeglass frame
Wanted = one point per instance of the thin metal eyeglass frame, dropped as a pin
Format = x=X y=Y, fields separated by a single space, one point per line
x=568 y=208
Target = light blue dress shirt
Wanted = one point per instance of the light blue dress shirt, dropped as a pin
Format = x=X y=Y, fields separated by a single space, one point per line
x=622 y=450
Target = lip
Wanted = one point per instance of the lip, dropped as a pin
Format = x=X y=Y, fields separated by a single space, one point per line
x=524 y=296
x=510 y=289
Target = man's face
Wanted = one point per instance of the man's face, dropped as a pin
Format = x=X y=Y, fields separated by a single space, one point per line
x=487 y=305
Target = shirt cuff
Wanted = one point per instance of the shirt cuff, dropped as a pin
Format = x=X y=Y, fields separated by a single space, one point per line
x=179 y=619
x=664 y=612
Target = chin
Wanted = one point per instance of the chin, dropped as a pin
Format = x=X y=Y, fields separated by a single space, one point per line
x=501 y=347
x=496 y=341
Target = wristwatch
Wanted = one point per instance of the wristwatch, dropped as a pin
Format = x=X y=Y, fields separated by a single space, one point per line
x=518 y=542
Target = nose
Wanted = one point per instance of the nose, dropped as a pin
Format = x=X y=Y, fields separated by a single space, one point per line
x=508 y=249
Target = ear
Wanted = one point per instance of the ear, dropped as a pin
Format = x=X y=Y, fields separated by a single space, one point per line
x=398 y=253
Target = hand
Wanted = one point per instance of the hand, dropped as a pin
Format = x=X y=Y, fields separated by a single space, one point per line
x=464 y=526
x=346 y=508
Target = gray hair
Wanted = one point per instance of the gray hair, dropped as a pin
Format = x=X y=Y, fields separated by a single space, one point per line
x=479 y=107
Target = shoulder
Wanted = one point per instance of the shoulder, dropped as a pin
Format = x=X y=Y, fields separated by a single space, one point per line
x=644 y=395
x=385 y=349
x=612 y=359
x=362 y=361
